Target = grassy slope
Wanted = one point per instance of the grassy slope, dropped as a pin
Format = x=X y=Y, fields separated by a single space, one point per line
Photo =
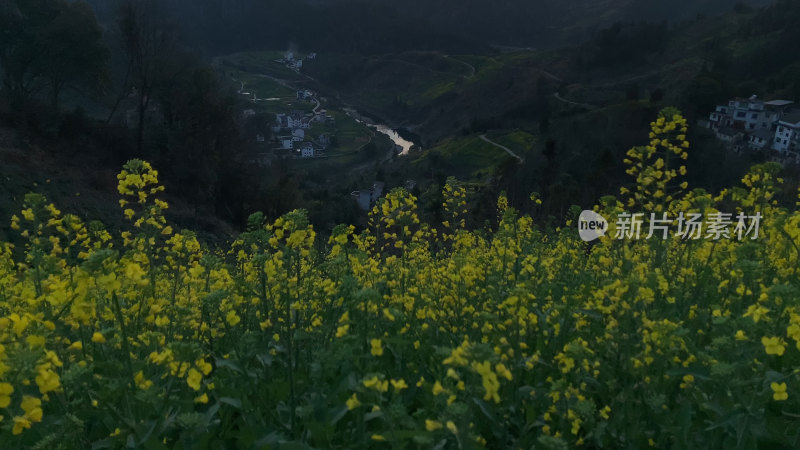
x=519 y=141
x=431 y=93
x=44 y=168
x=470 y=158
x=27 y=168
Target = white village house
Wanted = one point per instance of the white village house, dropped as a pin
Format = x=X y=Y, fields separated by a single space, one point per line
x=297 y=119
x=760 y=139
x=324 y=140
x=281 y=121
x=787 y=134
x=307 y=150
x=305 y=94
x=756 y=124
x=367 y=197
x=293 y=61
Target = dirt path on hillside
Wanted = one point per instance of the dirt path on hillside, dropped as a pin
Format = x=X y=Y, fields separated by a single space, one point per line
x=471 y=67
x=507 y=150
x=582 y=105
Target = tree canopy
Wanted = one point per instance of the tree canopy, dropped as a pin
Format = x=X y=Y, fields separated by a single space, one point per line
x=47 y=45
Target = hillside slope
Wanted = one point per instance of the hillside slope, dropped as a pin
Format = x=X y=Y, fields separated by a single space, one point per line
x=704 y=61
x=551 y=23
x=379 y=26
x=77 y=183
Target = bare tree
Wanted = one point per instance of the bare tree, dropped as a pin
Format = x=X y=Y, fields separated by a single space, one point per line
x=148 y=42
x=50 y=42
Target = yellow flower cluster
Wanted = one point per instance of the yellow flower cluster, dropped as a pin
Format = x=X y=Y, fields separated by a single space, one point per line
x=405 y=333
x=658 y=165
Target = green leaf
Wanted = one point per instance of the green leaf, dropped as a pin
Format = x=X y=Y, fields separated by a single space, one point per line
x=485 y=409
x=235 y=402
x=337 y=415
x=228 y=364
x=372 y=415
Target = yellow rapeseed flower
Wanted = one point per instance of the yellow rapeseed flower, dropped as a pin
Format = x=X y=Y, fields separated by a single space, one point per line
x=33 y=413
x=503 y=371
x=757 y=312
x=232 y=318
x=489 y=379
x=20 y=423
x=377 y=347
x=142 y=382
x=432 y=425
x=399 y=385
x=352 y=402
x=203 y=366
x=773 y=345
x=6 y=389
x=47 y=380
x=779 y=391
x=376 y=384
x=194 y=378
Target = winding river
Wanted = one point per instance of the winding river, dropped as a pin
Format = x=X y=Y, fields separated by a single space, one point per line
x=402 y=143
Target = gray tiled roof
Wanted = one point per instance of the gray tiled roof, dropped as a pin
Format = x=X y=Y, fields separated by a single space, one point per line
x=778 y=103
x=764 y=133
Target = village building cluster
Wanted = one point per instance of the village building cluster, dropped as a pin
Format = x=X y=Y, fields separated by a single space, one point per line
x=753 y=124
x=291 y=129
x=292 y=61
x=292 y=135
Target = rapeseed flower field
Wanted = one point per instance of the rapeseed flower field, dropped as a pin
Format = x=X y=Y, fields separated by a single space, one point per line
x=407 y=334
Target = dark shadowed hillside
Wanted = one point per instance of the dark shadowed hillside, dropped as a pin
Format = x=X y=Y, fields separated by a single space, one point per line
x=360 y=26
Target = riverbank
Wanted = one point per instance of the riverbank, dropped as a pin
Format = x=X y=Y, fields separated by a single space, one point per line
x=399 y=136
